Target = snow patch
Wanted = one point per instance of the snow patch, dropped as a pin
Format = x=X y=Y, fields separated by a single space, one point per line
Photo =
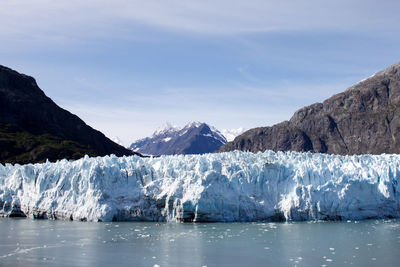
x=165 y=128
x=118 y=140
x=230 y=134
x=367 y=78
x=193 y=124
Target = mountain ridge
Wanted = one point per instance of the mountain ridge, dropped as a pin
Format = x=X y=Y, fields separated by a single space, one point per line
x=33 y=128
x=364 y=119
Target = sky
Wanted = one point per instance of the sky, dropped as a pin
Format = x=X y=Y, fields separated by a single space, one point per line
x=127 y=67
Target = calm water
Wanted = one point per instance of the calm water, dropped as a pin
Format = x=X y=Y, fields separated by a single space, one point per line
x=26 y=242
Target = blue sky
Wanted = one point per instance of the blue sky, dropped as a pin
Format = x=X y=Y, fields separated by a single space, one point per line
x=126 y=67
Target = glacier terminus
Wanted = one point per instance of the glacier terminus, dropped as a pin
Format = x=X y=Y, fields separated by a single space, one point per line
x=221 y=187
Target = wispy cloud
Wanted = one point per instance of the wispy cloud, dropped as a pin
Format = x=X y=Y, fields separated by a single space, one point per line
x=126 y=66
x=72 y=20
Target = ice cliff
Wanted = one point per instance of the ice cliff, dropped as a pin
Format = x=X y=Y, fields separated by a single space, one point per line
x=233 y=186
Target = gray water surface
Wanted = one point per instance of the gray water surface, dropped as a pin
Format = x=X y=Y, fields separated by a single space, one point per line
x=26 y=242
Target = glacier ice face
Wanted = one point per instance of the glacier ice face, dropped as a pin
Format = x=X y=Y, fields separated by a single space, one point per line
x=233 y=186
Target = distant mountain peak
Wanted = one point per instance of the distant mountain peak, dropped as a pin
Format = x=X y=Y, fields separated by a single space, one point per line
x=230 y=134
x=192 y=124
x=167 y=127
x=193 y=138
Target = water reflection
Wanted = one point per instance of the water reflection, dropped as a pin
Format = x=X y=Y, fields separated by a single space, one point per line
x=26 y=242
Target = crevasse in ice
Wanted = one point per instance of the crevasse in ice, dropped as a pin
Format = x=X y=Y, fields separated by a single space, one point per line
x=233 y=186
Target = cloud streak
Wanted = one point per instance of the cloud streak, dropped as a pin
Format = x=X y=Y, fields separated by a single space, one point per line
x=126 y=66
x=73 y=20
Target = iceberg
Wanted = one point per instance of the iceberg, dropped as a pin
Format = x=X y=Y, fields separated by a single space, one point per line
x=222 y=187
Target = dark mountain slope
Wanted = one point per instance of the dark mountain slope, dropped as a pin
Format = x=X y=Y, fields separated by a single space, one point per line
x=363 y=119
x=33 y=128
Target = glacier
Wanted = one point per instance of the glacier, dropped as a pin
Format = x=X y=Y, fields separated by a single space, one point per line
x=222 y=187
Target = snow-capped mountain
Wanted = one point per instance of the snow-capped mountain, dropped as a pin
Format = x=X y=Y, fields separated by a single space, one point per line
x=194 y=138
x=230 y=134
x=165 y=129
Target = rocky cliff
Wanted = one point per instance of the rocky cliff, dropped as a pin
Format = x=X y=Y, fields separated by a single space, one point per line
x=363 y=119
x=33 y=128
